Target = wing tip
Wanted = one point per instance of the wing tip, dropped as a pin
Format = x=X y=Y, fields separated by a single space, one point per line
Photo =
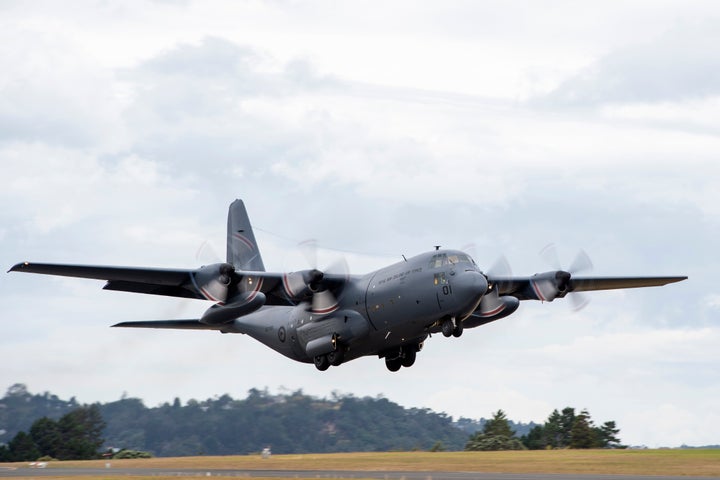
x=18 y=267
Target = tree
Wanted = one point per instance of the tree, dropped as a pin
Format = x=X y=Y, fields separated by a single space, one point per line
x=17 y=390
x=536 y=439
x=583 y=433
x=438 y=447
x=567 y=421
x=4 y=454
x=607 y=435
x=22 y=448
x=482 y=442
x=498 y=425
x=496 y=435
x=45 y=432
x=552 y=430
x=81 y=432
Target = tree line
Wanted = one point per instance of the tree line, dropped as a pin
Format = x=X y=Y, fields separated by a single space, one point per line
x=77 y=435
x=288 y=423
x=564 y=429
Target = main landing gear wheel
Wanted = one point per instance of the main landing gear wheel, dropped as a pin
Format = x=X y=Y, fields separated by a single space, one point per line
x=322 y=363
x=393 y=364
x=336 y=358
x=408 y=358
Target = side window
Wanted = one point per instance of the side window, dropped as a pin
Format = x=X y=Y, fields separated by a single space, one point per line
x=439 y=279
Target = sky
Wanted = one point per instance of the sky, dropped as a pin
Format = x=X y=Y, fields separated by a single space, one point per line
x=380 y=129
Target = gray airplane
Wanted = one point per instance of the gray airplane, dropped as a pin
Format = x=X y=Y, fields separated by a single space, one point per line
x=330 y=318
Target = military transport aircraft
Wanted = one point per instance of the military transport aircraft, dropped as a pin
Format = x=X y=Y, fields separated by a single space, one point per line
x=328 y=318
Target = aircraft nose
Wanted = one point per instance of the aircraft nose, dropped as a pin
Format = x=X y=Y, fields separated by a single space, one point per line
x=469 y=287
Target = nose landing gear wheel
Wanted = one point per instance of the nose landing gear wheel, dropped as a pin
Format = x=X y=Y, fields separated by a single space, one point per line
x=458 y=330
x=447 y=327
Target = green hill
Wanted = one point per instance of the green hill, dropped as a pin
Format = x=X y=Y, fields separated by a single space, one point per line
x=288 y=423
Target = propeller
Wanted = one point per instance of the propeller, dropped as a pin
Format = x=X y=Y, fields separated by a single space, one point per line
x=207 y=253
x=322 y=285
x=213 y=281
x=581 y=263
x=500 y=269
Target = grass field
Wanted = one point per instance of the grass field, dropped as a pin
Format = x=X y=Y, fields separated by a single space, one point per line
x=632 y=462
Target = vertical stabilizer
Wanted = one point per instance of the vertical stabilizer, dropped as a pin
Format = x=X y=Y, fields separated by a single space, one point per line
x=242 y=249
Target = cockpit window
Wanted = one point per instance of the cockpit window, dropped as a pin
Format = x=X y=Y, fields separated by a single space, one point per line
x=438 y=260
x=441 y=259
x=460 y=258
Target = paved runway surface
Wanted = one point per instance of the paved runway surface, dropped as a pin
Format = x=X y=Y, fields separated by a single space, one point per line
x=105 y=472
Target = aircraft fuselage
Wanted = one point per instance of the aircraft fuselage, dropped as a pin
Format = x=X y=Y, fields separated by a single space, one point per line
x=381 y=313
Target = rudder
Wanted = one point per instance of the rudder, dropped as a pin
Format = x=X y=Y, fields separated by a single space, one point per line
x=242 y=249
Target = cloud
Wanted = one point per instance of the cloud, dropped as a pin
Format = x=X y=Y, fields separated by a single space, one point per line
x=54 y=93
x=675 y=66
x=130 y=130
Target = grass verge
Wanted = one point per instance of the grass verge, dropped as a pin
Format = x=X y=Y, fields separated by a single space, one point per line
x=609 y=462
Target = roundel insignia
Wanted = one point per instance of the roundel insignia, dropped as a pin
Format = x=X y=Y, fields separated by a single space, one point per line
x=281 y=334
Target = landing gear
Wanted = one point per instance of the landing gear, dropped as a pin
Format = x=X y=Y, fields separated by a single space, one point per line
x=448 y=327
x=322 y=363
x=451 y=328
x=458 y=330
x=336 y=357
x=401 y=357
x=408 y=357
x=393 y=364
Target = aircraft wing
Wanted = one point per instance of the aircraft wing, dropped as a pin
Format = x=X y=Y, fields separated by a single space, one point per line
x=558 y=284
x=586 y=284
x=202 y=283
x=157 y=281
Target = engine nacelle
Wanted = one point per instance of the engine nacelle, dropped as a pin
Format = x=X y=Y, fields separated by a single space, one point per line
x=547 y=286
x=243 y=304
x=213 y=281
x=298 y=286
x=492 y=307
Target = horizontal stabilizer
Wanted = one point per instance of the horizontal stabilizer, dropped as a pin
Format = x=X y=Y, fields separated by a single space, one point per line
x=171 y=324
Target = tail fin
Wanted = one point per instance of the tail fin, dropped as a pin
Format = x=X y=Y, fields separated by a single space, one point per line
x=242 y=249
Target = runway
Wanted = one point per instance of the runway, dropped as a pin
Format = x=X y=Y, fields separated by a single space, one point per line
x=9 y=472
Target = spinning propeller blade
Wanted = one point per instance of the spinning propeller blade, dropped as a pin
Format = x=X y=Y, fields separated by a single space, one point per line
x=581 y=263
x=325 y=285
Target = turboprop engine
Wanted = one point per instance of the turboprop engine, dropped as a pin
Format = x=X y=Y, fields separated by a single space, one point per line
x=235 y=296
x=548 y=286
x=492 y=307
x=213 y=281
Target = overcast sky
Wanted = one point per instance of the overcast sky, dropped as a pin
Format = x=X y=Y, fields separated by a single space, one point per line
x=380 y=129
